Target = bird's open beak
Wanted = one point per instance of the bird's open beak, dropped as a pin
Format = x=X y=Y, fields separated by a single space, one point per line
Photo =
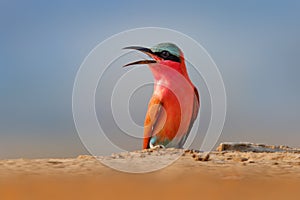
x=144 y=50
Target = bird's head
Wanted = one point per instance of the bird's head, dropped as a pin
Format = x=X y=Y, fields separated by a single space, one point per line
x=164 y=53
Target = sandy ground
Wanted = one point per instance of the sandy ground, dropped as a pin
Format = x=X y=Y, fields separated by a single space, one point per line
x=223 y=174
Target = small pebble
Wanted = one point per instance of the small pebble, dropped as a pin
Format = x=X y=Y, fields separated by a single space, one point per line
x=200 y=158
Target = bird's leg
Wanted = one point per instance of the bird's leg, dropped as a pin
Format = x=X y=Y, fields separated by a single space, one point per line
x=153 y=141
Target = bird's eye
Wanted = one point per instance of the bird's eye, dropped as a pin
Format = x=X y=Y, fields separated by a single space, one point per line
x=164 y=54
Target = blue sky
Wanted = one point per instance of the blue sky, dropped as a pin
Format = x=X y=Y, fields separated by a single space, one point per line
x=255 y=45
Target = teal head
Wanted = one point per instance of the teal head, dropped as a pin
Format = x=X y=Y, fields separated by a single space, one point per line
x=162 y=51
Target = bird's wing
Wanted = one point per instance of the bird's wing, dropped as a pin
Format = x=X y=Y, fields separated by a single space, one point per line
x=152 y=119
x=196 y=107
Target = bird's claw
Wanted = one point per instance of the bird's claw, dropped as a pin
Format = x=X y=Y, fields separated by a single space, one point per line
x=160 y=146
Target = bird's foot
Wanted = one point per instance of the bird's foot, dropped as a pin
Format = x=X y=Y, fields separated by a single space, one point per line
x=157 y=147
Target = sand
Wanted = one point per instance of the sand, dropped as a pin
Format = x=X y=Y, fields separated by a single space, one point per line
x=233 y=171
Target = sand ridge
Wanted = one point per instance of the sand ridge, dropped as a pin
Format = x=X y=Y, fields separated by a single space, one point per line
x=246 y=158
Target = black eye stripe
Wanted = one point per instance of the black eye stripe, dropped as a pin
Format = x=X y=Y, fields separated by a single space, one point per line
x=166 y=55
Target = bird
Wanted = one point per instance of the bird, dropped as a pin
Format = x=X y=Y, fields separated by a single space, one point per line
x=175 y=102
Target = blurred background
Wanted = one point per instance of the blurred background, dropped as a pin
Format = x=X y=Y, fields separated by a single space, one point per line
x=255 y=45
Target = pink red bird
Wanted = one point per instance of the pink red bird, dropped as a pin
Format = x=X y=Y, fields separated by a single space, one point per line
x=174 y=104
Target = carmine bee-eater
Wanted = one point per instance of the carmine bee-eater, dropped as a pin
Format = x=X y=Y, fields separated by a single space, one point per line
x=174 y=104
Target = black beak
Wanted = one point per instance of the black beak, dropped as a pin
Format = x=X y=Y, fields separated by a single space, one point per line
x=144 y=50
